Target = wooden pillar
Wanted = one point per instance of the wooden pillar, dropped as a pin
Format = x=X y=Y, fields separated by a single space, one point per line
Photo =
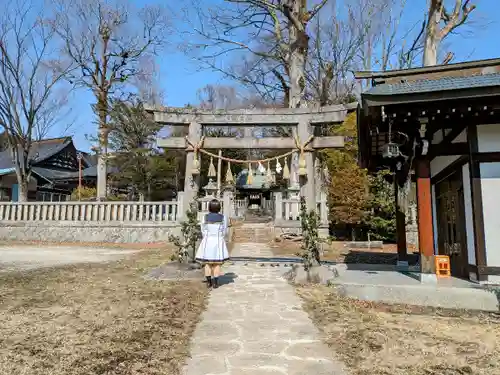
x=307 y=184
x=191 y=183
x=425 y=223
x=400 y=229
x=477 y=203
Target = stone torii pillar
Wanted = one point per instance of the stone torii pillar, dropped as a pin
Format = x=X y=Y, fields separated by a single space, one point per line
x=191 y=183
x=307 y=190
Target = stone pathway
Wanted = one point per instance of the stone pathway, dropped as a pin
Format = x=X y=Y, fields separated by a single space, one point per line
x=254 y=325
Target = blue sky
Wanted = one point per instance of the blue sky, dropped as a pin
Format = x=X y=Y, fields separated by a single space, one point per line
x=180 y=76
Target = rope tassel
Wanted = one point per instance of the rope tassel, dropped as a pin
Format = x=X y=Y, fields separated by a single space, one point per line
x=195 y=168
x=211 y=168
x=269 y=175
x=229 y=175
x=302 y=164
x=286 y=171
x=250 y=175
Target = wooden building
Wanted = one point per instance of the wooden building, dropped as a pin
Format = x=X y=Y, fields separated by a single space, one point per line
x=441 y=126
x=54 y=172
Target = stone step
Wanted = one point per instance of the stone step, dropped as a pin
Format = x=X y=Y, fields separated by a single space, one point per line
x=257 y=233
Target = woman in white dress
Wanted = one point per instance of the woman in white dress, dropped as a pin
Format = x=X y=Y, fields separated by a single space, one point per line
x=212 y=251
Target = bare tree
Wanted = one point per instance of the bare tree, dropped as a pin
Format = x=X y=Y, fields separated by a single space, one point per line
x=338 y=37
x=273 y=31
x=29 y=84
x=106 y=41
x=440 y=23
x=213 y=97
x=146 y=82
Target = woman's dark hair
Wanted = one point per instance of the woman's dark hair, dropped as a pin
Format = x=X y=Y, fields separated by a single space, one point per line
x=214 y=206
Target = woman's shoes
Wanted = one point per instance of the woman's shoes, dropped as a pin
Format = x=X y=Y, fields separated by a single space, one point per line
x=212 y=282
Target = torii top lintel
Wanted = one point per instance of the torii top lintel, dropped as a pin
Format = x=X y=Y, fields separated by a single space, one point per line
x=254 y=117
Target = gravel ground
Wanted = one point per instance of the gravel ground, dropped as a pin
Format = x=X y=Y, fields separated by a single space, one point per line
x=20 y=258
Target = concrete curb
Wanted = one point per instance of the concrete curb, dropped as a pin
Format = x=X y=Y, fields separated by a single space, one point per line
x=422 y=295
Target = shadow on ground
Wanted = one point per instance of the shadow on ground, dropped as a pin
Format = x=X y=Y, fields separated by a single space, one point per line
x=227 y=278
x=354 y=257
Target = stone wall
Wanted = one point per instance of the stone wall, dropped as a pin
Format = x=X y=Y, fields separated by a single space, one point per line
x=291 y=226
x=78 y=231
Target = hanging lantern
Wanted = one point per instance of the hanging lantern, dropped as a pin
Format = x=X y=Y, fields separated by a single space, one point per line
x=229 y=174
x=286 y=171
x=211 y=168
x=249 y=175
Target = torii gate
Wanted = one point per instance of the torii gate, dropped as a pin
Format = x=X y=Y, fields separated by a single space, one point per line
x=302 y=120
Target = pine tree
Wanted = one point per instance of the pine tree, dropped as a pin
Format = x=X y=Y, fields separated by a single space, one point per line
x=190 y=235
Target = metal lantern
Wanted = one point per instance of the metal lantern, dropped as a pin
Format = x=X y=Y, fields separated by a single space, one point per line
x=390 y=150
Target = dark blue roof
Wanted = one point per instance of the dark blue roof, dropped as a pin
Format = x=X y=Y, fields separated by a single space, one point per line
x=435 y=85
x=42 y=150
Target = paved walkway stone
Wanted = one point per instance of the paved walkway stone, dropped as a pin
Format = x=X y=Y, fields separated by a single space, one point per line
x=255 y=325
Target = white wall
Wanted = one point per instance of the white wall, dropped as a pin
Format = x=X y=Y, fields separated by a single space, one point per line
x=489 y=141
x=488 y=137
x=462 y=137
x=469 y=225
x=490 y=188
x=441 y=162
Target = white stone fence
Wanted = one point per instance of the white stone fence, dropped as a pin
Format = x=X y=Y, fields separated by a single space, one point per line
x=289 y=209
x=136 y=212
x=127 y=222
x=142 y=212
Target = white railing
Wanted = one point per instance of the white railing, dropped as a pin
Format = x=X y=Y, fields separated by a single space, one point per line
x=89 y=211
x=240 y=207
x=203 y=205
x=291 y=209
x=268 y=204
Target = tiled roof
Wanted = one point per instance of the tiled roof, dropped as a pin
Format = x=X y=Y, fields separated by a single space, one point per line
x=436 y=85
x=259 y=180
x=86 y=172
x=53 y=174
x=42 y=150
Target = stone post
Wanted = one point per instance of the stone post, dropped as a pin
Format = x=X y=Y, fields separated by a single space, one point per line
x=227 y=203
x=278 y=205
x=102 y=173
x=219 y=175
x=180 y=206
x=227 y=207
x=323 y=208
x=307 y=189
x=191 y=183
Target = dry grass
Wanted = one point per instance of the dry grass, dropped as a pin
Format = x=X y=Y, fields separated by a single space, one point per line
x=97 y=319
x=376 y=339
x=336 y=252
